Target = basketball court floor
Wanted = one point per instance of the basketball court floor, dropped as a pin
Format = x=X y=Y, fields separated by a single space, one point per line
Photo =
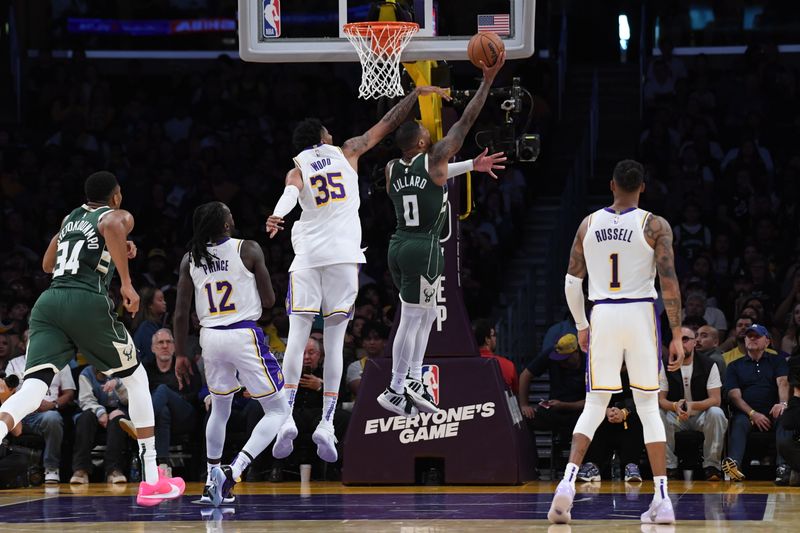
x=331 y=507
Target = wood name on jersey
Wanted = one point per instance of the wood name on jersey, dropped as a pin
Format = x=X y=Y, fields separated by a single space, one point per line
x=322 y=163
x=216 y=265
x=613 y=234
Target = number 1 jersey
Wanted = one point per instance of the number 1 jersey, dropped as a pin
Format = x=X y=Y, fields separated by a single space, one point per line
x=329 y=229
x=225 y=292
x=619 y=260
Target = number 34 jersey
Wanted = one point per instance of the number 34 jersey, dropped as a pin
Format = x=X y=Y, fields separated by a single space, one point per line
x=225 y=292
x=619 y=260
x=329 y=229
x=82 y=260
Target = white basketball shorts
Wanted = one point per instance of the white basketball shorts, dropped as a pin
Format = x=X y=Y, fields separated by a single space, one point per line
x=626 y=332
x=329 y=290
x=238 y=357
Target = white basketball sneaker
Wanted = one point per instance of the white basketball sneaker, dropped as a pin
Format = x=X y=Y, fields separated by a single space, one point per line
x=325 y=439
x=660 y=512
x=422 y=398
x=284 y=441
x=399 y=404
x=559 y=512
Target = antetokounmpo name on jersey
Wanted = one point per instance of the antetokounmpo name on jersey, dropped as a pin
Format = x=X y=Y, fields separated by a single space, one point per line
x=613 y=234
x=85 y=227
x=409 y=181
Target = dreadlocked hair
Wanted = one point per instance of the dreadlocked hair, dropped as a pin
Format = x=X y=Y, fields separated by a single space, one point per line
x=208 y=222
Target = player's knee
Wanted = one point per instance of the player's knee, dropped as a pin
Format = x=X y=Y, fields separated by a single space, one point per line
x=276 y=405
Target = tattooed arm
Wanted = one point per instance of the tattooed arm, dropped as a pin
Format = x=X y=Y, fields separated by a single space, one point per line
x=355 y=147
x=573 y=285
x=659 y=235
x=444 y=150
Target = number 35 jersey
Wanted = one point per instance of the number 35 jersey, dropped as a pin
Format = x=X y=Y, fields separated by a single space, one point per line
x=225 y=292
x=619 y=260
x=329 y=229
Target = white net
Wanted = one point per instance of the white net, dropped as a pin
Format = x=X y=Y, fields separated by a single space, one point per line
x=379 y=46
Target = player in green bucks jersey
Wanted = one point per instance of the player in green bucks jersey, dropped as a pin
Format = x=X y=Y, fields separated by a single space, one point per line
x=417 y=186
x=76 y=314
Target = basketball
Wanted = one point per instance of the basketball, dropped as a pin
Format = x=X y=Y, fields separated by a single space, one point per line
x=486 y=47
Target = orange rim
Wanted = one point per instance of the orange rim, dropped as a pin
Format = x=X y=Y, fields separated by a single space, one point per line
x=365 y=28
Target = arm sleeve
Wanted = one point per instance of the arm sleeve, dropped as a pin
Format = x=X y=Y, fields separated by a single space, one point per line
x=462 y=167
x=573 y=289
x=287 y=201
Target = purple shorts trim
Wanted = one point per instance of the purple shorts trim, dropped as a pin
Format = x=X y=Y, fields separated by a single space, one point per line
x=625 y=301
x=239 y=325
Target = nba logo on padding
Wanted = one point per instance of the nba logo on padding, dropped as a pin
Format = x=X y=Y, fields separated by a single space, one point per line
x=430 y=377
x=272 y=18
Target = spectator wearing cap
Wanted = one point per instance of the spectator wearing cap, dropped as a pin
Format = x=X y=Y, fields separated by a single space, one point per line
x=152 y=310
x=690 y=399
x=758 y=390
x=742 y=325
x=486 y=338
x=567 y=369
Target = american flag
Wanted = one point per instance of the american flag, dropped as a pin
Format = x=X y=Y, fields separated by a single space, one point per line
x=499 y=24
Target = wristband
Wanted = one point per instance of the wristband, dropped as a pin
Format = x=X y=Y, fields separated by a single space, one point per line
x=462 y=167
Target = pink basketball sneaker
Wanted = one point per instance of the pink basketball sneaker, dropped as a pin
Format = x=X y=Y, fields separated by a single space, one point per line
x=166 y=488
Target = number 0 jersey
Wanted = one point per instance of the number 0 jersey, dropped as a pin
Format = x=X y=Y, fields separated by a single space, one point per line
x=82 y=260
x=329 y=229
x=419 y=204
x=620 y=262
x=225 y=292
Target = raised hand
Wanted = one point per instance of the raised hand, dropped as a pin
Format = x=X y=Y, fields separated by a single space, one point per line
x=489 y=73
x=487 y=163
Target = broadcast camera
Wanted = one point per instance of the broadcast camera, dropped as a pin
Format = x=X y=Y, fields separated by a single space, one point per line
x=524 y=147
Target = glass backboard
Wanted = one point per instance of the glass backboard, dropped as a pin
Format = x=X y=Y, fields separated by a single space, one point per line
x=293 y=31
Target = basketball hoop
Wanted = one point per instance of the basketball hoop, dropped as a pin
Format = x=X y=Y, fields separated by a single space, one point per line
x=379 y=46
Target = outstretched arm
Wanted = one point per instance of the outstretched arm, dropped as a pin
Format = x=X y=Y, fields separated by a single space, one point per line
x=444 y=150
x=355 y=147
x=484 y=162
x=287 y=201
x=659 y=235
x=573 y=285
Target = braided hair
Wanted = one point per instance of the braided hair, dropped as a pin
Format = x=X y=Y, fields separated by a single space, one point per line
x=208 y=223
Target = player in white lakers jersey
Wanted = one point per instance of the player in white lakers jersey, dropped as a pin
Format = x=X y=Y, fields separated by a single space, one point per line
x=621 y=248
x=231 y=286
x=327 y=245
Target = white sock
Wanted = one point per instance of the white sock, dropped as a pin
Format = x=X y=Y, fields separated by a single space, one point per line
x=209 y=465
x=660 y=484
x=404 y=339
x=242 y=461
x=329 y=400
x=571 y=473
x=333 y=340
x=147 y=457
x=421 y=344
